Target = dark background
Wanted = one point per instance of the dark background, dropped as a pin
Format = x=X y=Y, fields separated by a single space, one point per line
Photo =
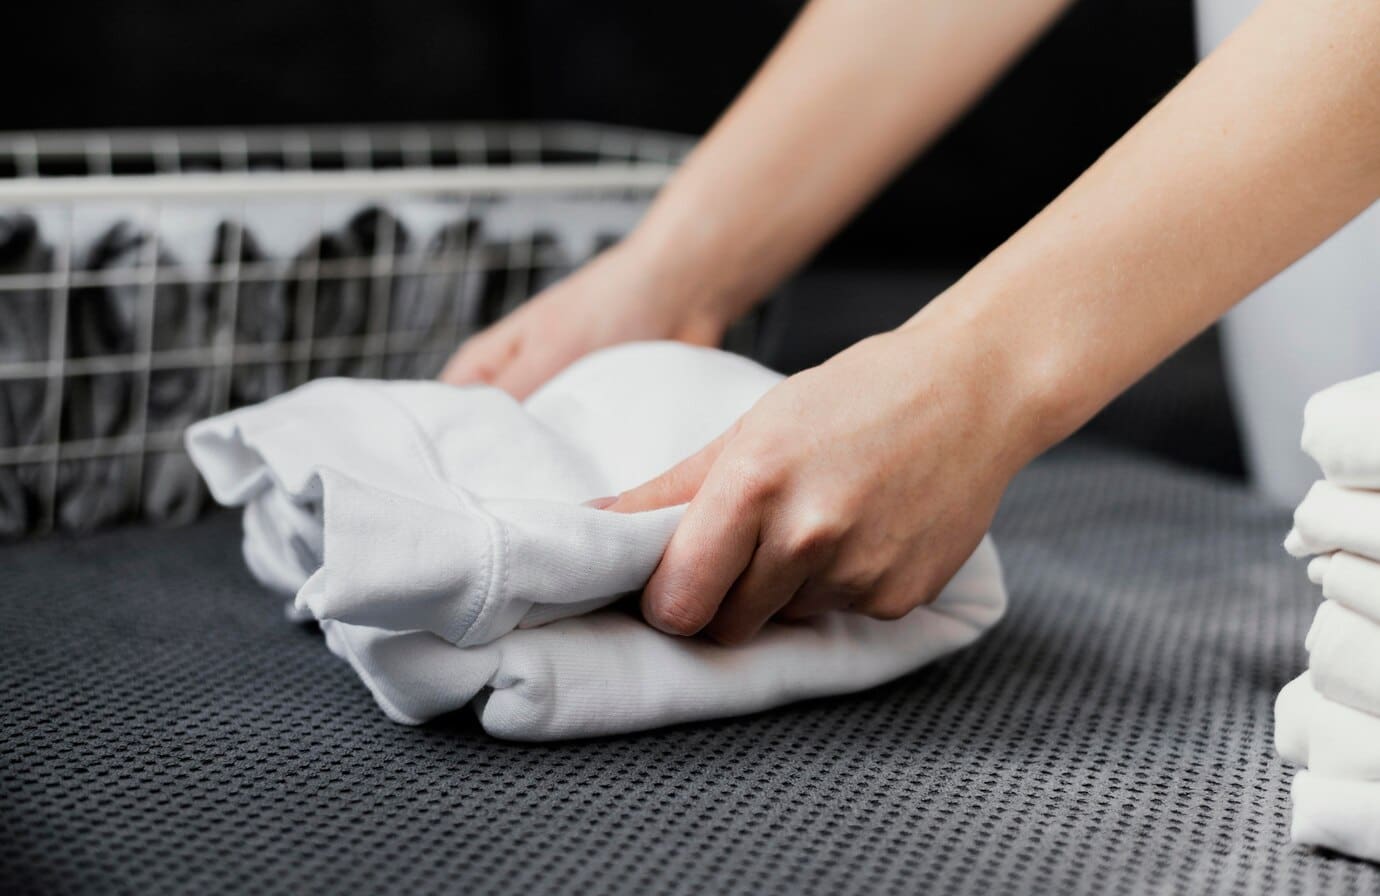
x=669 y=66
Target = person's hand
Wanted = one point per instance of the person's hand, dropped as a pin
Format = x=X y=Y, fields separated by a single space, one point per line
x=618 y=297
x=864 y=483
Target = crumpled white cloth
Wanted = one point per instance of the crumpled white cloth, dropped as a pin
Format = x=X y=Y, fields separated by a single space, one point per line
x=1328 y=719
x=438 y=536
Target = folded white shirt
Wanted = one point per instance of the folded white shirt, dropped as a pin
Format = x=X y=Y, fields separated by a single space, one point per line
x=1351 y=580
x=1329 y=738
x=421 y=524
x=1337 y=813
x=1334 y=518
x=1341 y=431
x=1344 y=657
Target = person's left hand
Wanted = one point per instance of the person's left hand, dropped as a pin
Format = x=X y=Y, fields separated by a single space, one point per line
x=864 y=483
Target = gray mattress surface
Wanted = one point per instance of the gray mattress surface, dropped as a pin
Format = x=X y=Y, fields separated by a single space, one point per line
x=163 y=729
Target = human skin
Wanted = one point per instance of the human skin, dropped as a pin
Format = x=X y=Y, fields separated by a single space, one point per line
x=865 y=482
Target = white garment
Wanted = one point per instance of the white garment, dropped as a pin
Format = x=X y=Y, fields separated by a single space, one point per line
x=1333 y=518
x=1328 y=738
x=421 y=524
x=1337 y=813
x=1344 y=657
x=1341 y=431
x=1350 y=580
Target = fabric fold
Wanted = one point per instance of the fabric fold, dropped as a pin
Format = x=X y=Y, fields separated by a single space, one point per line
x=1333 y=518
x=1324 y=736
x=1340 y=432
x=1336 y=813
x=610 y=673
x=1344 y=657
x=1352 y=581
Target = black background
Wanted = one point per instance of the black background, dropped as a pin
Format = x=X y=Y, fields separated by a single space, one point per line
x=671 y=66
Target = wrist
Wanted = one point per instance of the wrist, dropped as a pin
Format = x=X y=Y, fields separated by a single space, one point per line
x=694 y=261
x=1013 y=382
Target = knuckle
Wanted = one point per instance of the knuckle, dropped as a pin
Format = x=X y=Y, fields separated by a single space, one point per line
x=855 y=581
x=814 y=531
x=755 y=475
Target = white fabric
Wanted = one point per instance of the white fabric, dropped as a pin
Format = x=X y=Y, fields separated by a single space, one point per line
x=1327 y=737
x=1352 y=581
x=422 y=524
x=1341 y=431
x=1344 y=657
x=1328 y=719
x=1333 y=518
x=1337 y=813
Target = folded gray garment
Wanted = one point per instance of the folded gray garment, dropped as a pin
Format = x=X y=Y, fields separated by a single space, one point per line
x=183 y=318
x=327 y=303
x=24 y=320
x=380 y=240
x=438 y=299
x=261 y=314
x=104 y=320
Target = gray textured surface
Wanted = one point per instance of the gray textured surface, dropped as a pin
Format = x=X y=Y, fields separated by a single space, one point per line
x=165 y=730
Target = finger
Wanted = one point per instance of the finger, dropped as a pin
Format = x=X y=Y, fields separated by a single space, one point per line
x=677 y=485
x=768 y=584
x=480 y=358
x=710 y=549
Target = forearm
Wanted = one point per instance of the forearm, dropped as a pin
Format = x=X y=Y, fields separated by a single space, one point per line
x=851 y=94
x=1268 y=147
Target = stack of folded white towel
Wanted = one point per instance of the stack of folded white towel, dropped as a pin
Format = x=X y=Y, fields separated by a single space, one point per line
x=439 y=537
x=1328 y=719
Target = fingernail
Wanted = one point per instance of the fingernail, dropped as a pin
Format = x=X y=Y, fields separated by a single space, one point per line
x=600 y=503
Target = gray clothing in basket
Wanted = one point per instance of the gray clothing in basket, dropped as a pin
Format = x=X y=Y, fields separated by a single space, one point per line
x=435 y=300
x=24 y=320
x=104 y=320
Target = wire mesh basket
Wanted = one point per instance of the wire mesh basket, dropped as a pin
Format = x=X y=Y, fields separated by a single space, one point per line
x=148 y=280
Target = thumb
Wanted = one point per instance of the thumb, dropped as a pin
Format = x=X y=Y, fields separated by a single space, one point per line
x=677 y=485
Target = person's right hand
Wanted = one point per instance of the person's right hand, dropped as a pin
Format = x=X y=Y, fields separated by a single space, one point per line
x=617 y=297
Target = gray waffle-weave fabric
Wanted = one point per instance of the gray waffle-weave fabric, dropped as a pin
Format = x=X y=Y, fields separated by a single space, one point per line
x=165 y=730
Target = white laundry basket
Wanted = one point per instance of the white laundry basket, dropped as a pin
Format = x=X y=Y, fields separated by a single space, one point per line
x=131 y=302
x=1315 y=324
